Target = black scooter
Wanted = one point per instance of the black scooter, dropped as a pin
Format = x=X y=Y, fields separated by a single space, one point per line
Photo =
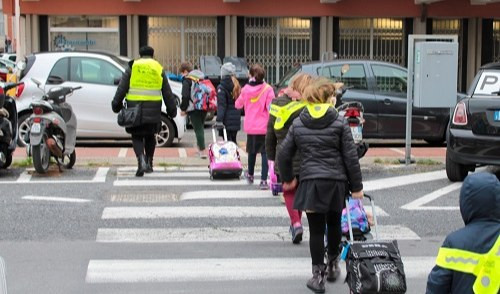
x=8 y=125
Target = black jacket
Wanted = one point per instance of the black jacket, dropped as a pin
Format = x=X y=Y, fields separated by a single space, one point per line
x=327 y=149
x=186 y=93
x=274 y=137
x=480 y=209
x=226 y=111
x=151 y=111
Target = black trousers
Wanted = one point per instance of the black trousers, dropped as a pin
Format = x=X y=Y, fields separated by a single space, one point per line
x=317 y=226
x=144 y=145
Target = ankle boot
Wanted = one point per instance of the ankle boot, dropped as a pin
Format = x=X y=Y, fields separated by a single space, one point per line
x=141 y=166
x=317 y=282
x=149 y=164
x=333 y=269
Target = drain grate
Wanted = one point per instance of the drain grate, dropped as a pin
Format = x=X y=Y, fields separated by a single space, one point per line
x=144 y=198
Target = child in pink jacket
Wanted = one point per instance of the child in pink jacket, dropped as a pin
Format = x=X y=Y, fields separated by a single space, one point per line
x=255 y=98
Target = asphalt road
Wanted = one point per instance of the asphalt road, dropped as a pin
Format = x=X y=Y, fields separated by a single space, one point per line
x=103 y=231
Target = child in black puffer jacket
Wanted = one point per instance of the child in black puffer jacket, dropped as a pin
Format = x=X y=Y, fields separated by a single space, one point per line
x=329 y=170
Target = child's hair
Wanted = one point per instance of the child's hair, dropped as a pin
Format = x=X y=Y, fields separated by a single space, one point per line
x=257 y=72
x=320 y=91
x=186 y=66
x=236 y=88
x=300 y=82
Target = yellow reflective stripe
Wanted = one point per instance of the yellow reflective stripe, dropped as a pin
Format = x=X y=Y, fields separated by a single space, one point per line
x=143 y=98
x=144 y=92
x=318 y=110
x=253 y=100
x=486 y=267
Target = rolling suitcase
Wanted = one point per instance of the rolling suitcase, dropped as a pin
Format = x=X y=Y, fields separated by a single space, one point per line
x=373 y=266
x=274 y=184
x=224 y=158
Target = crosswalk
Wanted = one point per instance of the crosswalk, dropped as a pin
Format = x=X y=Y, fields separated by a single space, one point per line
x=234 y=214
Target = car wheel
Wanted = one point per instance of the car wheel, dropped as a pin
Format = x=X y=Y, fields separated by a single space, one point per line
x=456 y=172
x=24 y=128
x=165 y=137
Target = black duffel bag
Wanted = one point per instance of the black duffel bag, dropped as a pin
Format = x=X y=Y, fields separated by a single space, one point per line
x=373 y=266
x=129 y=116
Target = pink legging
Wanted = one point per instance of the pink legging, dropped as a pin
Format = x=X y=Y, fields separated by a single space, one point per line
x=295 y=215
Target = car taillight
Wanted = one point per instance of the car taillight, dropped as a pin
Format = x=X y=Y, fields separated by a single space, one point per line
x=19 y=90
x=37 y=119
x=460 y=115
x=38 y=110
x=352 y=112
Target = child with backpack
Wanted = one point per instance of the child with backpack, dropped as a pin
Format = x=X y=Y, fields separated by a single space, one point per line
x=255 y=98
x=329 y=169
x=228 y=90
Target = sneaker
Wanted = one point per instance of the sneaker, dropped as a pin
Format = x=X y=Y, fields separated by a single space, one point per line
x=263 y=185
x=201 y=154
x=296 y=232
x=249 y=178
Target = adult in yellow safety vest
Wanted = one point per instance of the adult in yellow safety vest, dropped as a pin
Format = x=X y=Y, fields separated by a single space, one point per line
x=469 y=259
x=145 y=85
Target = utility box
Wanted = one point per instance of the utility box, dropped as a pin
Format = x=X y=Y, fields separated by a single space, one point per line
x=436 y=72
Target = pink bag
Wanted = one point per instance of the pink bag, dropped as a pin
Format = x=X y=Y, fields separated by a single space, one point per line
x=224 y=158
x=274 y=185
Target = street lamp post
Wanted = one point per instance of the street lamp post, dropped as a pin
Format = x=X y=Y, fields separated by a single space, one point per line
x=18 y=33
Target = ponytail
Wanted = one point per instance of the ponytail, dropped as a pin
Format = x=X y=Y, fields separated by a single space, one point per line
x=236 y=88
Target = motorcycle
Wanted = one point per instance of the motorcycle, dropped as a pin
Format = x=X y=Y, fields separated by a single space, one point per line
x=52 y=129
x=8 y=125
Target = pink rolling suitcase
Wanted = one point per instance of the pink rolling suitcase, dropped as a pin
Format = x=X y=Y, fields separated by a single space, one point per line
x=274 y=185
x=224 y=158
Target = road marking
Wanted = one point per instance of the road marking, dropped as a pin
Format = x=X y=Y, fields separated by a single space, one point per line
x=148 y=183
x=226 y=194
x=182 y=152
x=3 y=279
x=225 y=234
x=59 y=199
x=25 y=177
x=418 y=203
x=223 y=269
x=123 y=153
x=386 y=183
x=164 y=212
x=100 y=175
x=397 y=151
x=173 y=174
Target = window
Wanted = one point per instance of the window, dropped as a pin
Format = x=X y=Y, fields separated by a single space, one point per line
x=488 y=84
x=355 y=77
x=94 y=71
x=59 y=72
x=390 y=79
x=289 y=76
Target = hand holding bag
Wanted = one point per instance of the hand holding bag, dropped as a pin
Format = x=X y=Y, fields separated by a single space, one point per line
x=129 y=117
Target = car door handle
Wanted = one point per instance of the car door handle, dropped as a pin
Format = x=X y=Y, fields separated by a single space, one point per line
x=387 y=101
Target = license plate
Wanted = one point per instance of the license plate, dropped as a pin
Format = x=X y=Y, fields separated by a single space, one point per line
x=357 y=134
x=35 y=128
x=497 y=115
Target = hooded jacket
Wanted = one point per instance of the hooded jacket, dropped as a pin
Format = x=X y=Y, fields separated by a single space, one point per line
x=256 y=110
x=226 y=110
x=327 y=149
x=480 y=209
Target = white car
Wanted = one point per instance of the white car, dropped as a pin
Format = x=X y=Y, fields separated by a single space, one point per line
x=8 y=56
x=99 y=75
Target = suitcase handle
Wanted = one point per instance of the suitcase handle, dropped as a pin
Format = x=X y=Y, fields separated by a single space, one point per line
x=223 y=130
x=349 y=222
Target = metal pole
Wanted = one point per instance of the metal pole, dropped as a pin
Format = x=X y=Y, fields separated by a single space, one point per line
x=18 y=34
x=409 y=101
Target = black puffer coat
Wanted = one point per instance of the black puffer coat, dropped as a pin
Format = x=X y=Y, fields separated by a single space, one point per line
x=480 y=209
x=151 y=111
x=226 y=111
x=327 y=149
x=274 y=137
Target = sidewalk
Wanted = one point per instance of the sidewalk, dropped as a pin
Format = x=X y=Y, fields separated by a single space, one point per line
x=187 y=156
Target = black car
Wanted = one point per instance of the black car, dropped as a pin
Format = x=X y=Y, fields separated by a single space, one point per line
x=474 y=133
x=381 y=88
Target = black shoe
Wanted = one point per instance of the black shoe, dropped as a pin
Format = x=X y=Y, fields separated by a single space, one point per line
x=141 y=166
x=317 y=282
x=333 y=269
x=149 y=164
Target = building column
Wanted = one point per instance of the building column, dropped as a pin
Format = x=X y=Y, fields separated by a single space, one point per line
x=234 y=36
x=473 y=48
x=419 y=26
x=329 y=33
x=22 y=37
x=35 y=33
x=133 y=38
x=323 y=32
x=227 y=35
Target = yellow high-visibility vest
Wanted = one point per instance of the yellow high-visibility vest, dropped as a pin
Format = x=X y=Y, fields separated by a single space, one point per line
x=486 y=267
x=283 y=113
x=319 y=110
x=146 y=81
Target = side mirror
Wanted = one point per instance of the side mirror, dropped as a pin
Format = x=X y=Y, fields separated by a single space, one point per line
x=116 y=81
x=55 y=80
x=21 y=65
x=37 y=82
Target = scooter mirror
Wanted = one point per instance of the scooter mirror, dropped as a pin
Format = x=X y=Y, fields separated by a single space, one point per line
x=21 y=65
x=37 y=82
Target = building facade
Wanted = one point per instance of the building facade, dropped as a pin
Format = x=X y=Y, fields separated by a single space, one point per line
x=277 y=34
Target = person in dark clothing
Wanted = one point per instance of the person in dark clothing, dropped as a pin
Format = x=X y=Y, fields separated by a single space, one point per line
x=467 y=258
x=145 y=85
x=227 y=92
x=284 y=110
x=197 y=117
x=329 y=169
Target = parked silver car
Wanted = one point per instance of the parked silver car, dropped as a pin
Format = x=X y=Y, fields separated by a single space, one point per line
x=98 y=74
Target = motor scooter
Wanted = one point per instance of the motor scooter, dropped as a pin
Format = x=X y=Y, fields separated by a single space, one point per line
x=8 y=125
x=52 y=129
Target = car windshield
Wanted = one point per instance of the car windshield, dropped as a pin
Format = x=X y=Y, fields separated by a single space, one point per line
x=288 y=76
x=488 y=84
